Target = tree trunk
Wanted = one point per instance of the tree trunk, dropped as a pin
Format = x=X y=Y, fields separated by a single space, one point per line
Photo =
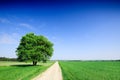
x=34 y=63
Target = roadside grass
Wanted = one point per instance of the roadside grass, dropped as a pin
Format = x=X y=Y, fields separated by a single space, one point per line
x=83 y=70
x=21 y=71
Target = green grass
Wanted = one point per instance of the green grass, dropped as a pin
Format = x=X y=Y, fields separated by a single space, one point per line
x=73 y=70
x=20 y=70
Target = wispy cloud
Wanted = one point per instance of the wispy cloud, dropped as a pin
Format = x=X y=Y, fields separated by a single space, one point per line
x=7 y=21
x=3 y=20
x=26 y=25
x=9 y=38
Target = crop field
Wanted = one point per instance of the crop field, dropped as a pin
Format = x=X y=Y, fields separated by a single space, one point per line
x=92 y=70
x=21 y=71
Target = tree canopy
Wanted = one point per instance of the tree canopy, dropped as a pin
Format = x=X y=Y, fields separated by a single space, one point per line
x=34 y=48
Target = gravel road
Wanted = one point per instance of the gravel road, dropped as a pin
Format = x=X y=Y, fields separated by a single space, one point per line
x=52 y=73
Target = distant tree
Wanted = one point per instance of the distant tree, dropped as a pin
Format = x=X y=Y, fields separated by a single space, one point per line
x=7 y=59
x=34 y=48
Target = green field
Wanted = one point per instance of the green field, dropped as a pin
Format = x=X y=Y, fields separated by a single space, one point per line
x=92 y=70
x=21 y=71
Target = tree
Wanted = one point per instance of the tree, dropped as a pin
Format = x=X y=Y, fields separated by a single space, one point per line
x=34 y=48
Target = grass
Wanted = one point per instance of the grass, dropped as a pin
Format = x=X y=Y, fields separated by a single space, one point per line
x=21 y=71
x=83 y=70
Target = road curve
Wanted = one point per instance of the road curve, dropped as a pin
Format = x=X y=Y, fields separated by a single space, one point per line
x=52 y=73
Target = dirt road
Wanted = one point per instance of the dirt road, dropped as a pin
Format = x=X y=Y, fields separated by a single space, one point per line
x=52 y=73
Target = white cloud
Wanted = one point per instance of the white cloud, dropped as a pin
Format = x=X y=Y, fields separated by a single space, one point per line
x=26 y=25
x=9 y=38
x=3 y=20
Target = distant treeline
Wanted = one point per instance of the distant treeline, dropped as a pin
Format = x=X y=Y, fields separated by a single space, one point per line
x=90 y=60
x=7 y=59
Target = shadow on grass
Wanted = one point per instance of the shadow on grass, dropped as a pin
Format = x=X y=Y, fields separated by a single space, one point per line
x=24 y=65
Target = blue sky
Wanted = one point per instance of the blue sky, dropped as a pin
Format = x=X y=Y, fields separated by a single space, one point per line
x=78 y=29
